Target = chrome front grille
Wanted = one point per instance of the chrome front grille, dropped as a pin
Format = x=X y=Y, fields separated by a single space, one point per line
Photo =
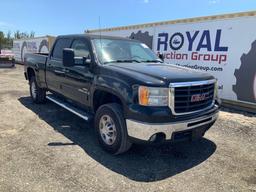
x=191 y=97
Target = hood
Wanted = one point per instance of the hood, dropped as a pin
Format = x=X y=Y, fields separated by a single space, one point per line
x=160 y=73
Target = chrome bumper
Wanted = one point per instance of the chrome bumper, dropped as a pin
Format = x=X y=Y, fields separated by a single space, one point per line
x=144 y=131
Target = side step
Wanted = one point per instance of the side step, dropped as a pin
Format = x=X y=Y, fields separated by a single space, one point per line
x=69 y=107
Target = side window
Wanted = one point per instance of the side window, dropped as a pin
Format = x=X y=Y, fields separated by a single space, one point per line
x=59 y=46
x=81 y=48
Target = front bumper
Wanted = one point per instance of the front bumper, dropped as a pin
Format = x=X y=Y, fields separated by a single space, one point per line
x=144 y=131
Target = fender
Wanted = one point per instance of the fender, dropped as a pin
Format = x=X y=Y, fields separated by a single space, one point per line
x=38 y=66
x=113 y=86
x=34 y=68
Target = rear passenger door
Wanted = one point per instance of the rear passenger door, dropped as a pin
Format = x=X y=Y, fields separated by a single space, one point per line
x=79 y=78
x=55 y=71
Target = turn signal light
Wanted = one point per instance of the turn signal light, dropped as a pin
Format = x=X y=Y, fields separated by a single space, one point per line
x=143 y=95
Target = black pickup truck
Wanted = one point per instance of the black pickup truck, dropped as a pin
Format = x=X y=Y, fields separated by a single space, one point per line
x=129 y=92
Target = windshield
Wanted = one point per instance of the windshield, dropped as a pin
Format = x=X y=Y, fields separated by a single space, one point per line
x=116 y=50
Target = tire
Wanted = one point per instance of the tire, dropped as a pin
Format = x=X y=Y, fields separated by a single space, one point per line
x=121 y=142
x=43 y=43
x=13 y=62
x=245 y=87
x=23 y=47
x=38 y=95
x=143 y=37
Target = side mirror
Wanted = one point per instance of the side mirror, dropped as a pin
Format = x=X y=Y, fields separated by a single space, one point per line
x=68 y=57
x=161 y=56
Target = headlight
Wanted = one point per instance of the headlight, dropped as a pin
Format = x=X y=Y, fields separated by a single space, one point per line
x=216 y=90
x=153 y=96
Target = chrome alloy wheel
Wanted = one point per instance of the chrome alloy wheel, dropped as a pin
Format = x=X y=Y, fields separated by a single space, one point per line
x=107 y=129
x=33 y=89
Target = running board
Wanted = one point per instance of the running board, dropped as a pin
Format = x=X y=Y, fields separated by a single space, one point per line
x=69 y=107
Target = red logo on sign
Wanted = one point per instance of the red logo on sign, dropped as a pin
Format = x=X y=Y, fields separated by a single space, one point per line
x=199 y=97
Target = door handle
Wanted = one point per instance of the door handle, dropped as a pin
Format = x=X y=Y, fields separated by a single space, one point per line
x=59 y=72
x=66 y=70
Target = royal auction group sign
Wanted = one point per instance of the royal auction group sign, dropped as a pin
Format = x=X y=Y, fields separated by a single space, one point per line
x=225 y=48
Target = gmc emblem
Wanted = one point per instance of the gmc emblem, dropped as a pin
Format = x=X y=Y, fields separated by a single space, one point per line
x=199 y=97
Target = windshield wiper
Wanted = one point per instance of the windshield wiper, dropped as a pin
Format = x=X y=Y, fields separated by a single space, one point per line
x=153 y=61
x=123 y=61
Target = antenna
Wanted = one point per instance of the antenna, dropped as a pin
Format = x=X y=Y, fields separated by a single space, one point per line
x=100 y=33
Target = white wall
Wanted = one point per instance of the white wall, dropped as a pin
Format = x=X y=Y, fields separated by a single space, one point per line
x=234 y=35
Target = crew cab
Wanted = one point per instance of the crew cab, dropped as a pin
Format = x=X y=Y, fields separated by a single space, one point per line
x=131 y=95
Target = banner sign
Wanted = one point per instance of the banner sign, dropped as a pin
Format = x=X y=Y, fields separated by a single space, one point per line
x=33 y=45
x=225 y=48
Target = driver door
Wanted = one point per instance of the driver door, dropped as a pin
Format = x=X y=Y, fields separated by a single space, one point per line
x=78 y=78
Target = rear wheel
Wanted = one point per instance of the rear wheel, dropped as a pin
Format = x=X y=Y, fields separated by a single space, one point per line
x=43 y=47
x=111 y=128
x=37 y=94
x=245 y=87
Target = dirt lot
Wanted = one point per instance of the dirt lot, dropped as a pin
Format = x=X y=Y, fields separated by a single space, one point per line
x=46 y=148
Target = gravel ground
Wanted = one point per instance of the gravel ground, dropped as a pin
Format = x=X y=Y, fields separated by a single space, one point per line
x=46 y=148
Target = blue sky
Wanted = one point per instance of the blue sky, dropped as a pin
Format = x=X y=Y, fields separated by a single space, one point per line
x=53 y=17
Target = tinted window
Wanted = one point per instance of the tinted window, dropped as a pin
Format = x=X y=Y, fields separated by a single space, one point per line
x=138 y=52
x=112 y=50
x=81 y=48
x=59 y=46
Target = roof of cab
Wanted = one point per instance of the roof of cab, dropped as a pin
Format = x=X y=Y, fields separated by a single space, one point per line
x=92 y=36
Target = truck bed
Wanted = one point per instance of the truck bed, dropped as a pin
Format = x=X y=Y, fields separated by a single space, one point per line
x=39 y=58
x=37 y=61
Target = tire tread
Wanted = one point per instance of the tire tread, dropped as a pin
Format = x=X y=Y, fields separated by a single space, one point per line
x=40 y=93
x=117 y=110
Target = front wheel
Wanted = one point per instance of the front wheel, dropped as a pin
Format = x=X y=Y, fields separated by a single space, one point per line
x=111 y=129
x=37 y=94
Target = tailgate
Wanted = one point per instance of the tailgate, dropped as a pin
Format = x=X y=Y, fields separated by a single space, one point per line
x=6 y=62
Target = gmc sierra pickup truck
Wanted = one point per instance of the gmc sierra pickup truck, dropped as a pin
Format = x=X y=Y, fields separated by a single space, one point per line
x=129 y=92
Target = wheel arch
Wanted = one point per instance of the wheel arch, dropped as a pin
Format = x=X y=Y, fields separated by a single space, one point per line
x=103 y=96
x=30 y=73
